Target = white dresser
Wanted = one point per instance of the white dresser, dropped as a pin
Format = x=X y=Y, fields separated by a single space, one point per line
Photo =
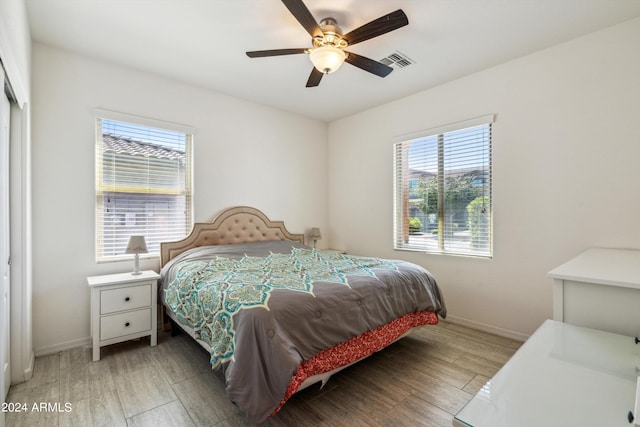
x=123 y=307
x=600 y=289
x=562 y=376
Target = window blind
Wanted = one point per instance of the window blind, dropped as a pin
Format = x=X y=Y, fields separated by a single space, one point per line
x=443 y=190
x=143 y=186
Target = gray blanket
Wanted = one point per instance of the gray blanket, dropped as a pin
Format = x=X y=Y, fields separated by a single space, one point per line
x=272 y=336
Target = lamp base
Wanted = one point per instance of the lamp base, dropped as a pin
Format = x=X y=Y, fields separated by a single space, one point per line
x=136 y=266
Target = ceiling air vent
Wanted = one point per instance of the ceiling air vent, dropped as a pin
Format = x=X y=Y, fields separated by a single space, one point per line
x=397 y=60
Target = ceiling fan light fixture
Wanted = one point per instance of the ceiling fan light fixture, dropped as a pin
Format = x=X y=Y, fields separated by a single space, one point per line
x=327 y=59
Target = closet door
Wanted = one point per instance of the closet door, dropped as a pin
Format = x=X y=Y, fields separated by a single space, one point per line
x=5 y=371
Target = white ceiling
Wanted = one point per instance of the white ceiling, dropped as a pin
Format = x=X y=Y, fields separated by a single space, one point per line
x=202 y=42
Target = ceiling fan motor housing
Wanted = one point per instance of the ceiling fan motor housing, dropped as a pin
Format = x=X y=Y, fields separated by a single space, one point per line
x=331 y=35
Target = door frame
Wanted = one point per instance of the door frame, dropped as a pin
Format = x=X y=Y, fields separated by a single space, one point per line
x=5 y=242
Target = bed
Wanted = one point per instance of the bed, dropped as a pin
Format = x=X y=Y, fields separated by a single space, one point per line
x=276 y=315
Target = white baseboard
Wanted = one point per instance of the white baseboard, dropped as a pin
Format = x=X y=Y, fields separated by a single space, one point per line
x=484 y=327
x=68 y=345
x=28 y=373
x=56 y=348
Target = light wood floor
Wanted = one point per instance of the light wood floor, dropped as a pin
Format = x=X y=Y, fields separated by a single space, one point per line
x=421 y=380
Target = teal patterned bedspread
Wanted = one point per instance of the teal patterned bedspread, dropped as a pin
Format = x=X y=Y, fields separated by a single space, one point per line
x=207 y=294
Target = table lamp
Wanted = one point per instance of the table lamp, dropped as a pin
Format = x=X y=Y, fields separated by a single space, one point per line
x=137 y=246
x=315 y=235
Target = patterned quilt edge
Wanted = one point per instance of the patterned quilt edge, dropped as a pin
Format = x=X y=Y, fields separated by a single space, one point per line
x=355 y=349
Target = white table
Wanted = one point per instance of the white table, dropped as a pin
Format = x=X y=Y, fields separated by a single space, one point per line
x=564 y=375
x=600 y=289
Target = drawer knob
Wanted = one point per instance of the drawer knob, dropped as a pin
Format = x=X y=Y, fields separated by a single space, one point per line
x=127 y=298
x=127 y=324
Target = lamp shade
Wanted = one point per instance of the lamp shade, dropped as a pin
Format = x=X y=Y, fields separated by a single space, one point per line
x=136 y=245
x=327 y=59
x=315 y=233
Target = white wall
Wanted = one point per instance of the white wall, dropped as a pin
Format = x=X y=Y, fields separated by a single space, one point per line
x=244 y=154
x=566 y=159
x=566 y=150
x=15 y=46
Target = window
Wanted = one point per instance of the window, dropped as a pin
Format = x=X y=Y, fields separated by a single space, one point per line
x=443 y=190
x=143 y=184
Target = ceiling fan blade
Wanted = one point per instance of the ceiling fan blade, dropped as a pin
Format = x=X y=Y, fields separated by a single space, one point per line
x=366 y=64
x=377 y=27
x=314 y=78
x=274 y=52
x=304 y=17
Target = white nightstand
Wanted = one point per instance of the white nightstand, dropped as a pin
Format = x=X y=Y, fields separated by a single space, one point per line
x=123 y=307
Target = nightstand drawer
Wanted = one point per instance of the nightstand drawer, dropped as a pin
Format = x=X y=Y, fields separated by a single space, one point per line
x=128 y=298
x=118 y=325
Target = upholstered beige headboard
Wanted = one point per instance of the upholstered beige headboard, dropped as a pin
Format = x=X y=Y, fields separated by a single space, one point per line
x=239 y=224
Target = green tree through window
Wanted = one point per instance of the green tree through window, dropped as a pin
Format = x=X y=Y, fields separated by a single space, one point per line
x=444 y=180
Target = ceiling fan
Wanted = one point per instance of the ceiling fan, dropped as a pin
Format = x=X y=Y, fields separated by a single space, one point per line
x=329 y=44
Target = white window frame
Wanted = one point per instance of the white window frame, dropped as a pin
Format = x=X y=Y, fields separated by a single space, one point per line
x=440 y=243
x=101 y=114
